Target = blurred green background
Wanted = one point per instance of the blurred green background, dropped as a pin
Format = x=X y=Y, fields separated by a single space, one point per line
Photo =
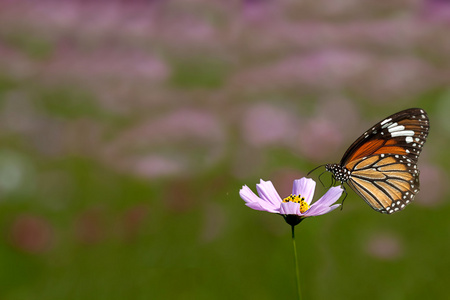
x=128 y=128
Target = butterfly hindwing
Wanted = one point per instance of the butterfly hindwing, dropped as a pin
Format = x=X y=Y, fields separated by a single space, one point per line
x=386 y=182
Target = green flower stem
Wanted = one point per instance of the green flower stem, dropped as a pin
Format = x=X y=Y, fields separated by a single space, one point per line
x=296 y=264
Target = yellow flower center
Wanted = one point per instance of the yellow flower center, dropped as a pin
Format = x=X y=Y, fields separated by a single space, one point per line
x=298 y=199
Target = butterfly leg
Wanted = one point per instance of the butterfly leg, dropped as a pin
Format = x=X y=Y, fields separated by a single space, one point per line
x=333 y=181
x=321 y=179
x=345 y=192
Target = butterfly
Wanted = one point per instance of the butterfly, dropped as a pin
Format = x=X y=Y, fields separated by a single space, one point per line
x=381 y=165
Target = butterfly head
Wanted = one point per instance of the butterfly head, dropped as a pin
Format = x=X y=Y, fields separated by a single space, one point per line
x=339 y=172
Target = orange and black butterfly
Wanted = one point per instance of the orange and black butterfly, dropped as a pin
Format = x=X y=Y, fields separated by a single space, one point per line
x=381 y=165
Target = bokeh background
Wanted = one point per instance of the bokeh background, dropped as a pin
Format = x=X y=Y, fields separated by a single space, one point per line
x=127 y=129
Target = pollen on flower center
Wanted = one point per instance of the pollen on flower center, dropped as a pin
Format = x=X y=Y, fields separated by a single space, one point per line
x=298 y=199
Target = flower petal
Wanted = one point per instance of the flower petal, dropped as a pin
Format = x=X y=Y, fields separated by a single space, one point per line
x=331 y=196
x=260 y=206
x=304 y=187
x=320 y=210
x=247 y=195
x=267 y=192
x=290 y=208
x=255 y=202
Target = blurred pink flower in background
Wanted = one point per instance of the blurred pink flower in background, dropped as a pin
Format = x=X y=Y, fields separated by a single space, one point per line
x=396 y=34
x=180 y=142
x=319 y=139
x=122 y=64
x=91 y=226
x=19 y=115
x=269 y=125
x=324 y=133
x=397 y=78
x=153 y=166
x=433 y=185
x=190 y=31
x=332 y=68
x=260 y=10
x=133 y=221
x=32 y=234
x=437 y=11
x=328 y=69
x=385 y=246
x=343 y=112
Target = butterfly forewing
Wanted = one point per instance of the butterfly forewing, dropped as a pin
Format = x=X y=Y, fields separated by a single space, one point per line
x=381 y=165
x=403 y=133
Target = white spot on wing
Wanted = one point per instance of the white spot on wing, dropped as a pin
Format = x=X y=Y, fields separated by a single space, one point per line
x=409 y=139
x=392 y=125
x=385 y=121
x=396 y=128
x=403 y=133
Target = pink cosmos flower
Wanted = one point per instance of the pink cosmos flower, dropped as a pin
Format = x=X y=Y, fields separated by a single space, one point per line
x=295 y=207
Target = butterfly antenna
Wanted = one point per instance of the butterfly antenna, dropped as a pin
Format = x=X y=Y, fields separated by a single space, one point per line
x=345 y=191
x=315 y=169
